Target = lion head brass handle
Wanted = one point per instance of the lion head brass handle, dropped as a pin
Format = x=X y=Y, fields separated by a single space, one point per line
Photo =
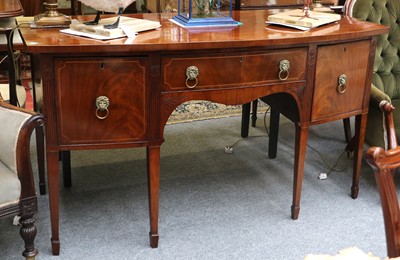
x=102 y=103
x=341 y=88
x=191 y=75
x=284 y=66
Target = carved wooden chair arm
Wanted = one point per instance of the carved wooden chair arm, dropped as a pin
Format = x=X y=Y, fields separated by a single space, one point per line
x=384 y=163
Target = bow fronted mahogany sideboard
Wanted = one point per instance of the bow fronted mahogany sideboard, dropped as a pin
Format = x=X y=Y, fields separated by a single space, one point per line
x=120 y=93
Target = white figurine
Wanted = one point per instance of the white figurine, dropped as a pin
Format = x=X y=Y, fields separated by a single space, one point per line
x=114 y=6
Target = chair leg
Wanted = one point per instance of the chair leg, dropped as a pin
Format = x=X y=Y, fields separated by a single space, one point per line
x=66 y=166
x=254 y=105
x=28 y=233
x=347 y=129
x=245 y=120
x=273 y=133
x=351 y=141
x=40 y=157
x=246 y=117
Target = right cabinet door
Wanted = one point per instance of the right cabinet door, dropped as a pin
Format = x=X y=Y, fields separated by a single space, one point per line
x=341 y=71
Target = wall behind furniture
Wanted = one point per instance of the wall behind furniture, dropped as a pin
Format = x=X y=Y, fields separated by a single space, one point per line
x=66 y=4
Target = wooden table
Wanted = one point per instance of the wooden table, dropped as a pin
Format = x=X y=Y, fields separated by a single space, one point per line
x=10 y=8
x=145 y=79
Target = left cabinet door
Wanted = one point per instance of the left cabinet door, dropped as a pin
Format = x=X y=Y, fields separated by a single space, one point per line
x=101 y=100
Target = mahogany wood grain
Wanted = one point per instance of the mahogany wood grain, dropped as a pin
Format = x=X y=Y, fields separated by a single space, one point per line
x=244 y=69
x=253 y=34
x=236 y=66
x=385 y=164
x=299 y=157
x=121 y=80
x=10 y=8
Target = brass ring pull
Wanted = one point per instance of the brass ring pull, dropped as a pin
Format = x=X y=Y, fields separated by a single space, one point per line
x=284 y=66
x=191 y=74
x=102 y=103
x=341 y=88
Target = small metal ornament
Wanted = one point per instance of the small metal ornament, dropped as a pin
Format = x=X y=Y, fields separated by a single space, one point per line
x=201 y=13
x=342 y=80
x=191 y=75
x=102 y=103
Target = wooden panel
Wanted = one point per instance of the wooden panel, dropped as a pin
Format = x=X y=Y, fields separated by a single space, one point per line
x=350 y=59
x=246 y=69
x=264 y=67
x=80 y=82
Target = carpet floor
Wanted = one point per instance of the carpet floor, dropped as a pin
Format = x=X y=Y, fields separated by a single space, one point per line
x=213 y=205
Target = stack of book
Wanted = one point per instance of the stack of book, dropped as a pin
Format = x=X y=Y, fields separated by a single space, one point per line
x=299 y=20
x=127 y=25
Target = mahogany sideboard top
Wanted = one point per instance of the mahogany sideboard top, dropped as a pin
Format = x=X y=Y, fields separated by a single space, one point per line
x=120 y=93
x=253 y=33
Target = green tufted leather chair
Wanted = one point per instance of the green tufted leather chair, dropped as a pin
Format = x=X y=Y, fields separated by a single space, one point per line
x=386 y=75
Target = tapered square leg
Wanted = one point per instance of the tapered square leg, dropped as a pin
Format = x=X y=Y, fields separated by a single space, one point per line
x=299 y=157
x=153 y=177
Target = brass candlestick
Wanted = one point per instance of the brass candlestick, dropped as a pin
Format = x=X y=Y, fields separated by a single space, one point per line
x=51 y=17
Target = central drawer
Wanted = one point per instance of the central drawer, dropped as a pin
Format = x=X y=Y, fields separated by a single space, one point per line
x=224 y=71
x=83 y=86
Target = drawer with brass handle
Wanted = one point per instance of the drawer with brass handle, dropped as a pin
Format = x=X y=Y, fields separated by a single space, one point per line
x=224 y=71
x=339 y=79
x=101 y=100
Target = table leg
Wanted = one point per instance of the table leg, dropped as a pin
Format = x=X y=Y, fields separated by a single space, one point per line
x=245 y=120
x=66 y=167
x=273 y=133
x=254 y=106
x=53 y=177
x=360 y=127
x=299 y=157
x=153 y=175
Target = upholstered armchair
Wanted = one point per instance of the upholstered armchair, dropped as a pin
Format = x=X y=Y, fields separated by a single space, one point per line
x=14 y=93
x=17 y=188
x=385 y=163
x=386 y=75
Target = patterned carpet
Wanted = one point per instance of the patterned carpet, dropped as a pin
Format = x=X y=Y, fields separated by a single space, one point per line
x=202 y=110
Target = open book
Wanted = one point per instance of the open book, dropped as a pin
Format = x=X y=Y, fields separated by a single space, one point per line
x=133 y=25
x=296 y=19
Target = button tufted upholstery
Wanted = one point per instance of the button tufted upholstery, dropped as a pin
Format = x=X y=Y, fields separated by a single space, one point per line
x=386 y=75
